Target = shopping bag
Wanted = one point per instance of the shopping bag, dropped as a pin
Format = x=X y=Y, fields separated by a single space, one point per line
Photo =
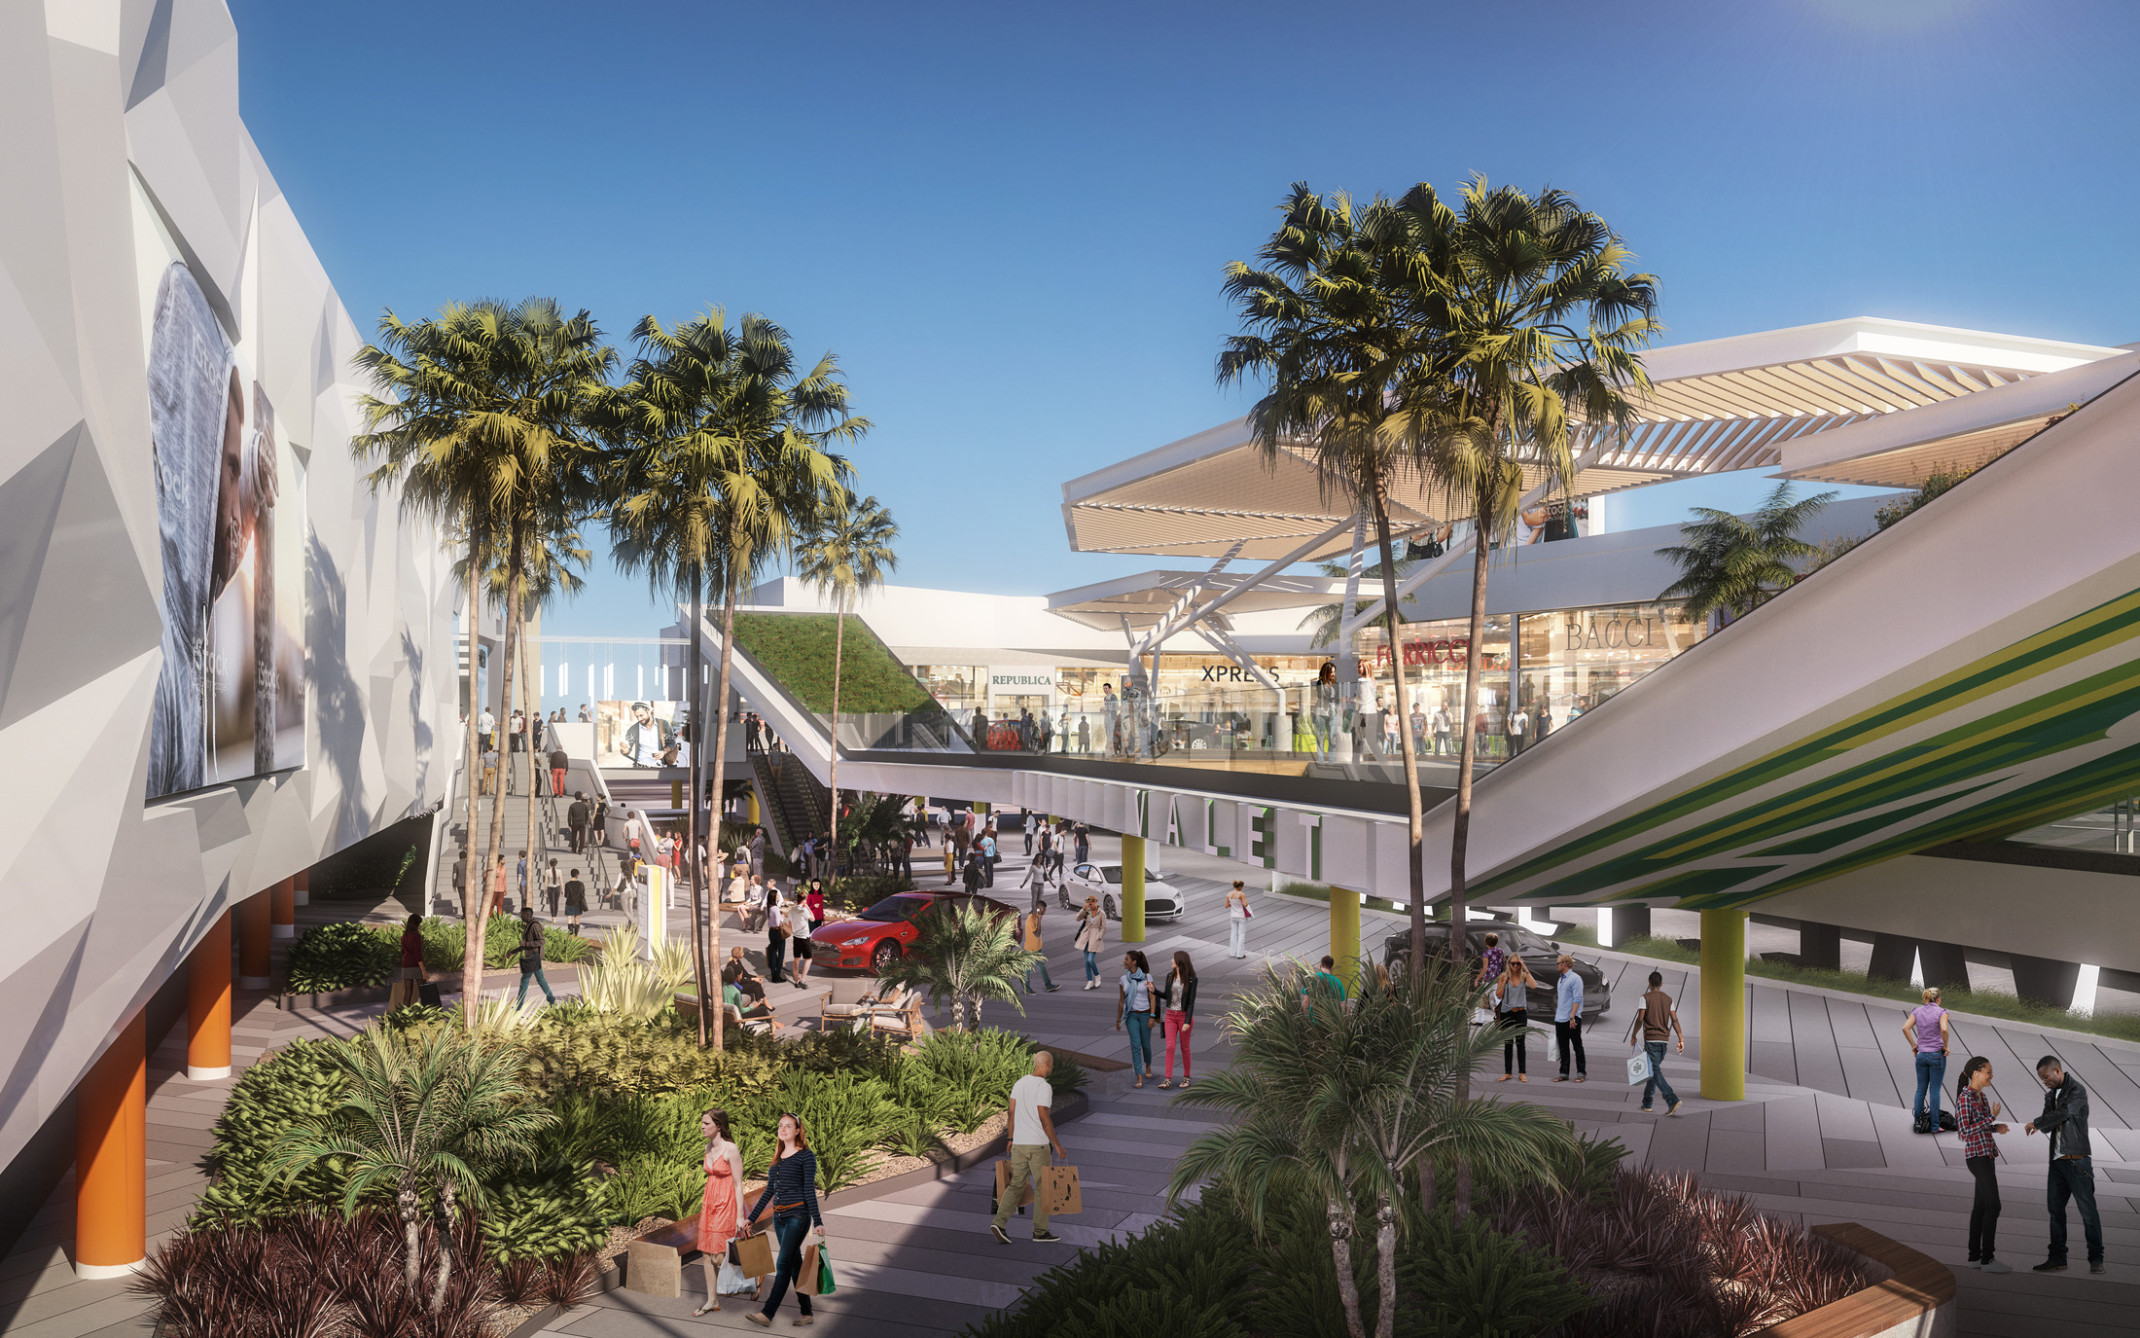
x=733 y=1280
x=427 y=993
x=825 y=1284
x=1003 y=1179
x=1638 y=1067
x=754 y=1254
x=1060 y=1192
x=806 y=1276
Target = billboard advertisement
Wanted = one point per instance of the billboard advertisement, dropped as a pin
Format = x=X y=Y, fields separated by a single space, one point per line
x=230 y=514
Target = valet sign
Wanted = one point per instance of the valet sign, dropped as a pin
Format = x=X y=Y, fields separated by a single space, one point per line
x=1022 y=682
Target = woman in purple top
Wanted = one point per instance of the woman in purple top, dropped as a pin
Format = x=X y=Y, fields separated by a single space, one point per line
x=1926 y=1030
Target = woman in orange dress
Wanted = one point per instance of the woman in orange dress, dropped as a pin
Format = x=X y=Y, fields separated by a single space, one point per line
x=722 y=1207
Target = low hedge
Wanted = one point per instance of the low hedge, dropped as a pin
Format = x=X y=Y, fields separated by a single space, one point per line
x=345 y=955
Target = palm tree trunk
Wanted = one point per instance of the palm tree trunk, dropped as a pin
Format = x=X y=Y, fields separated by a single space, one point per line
x=720 y=750
x=445 y=1241
x=1385 y=1259
x=1341 y=1254
x=1415 y=807
x=471 y=875
x=472 y=962
x=839 y=647
x=529 y=705
x=696 y=695
x=1460 y=823
x=411 y=1239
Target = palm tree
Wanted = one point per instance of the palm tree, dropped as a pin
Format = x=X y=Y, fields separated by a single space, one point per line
x=482 y=418
x=967 y=954
x=728 y=453
x=1730 y=565
x=1323 y=622
x=846 y=551
x=1347 y=1102
x=427 y=1118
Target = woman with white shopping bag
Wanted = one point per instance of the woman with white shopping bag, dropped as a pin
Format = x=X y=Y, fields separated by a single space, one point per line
x=721 y=1208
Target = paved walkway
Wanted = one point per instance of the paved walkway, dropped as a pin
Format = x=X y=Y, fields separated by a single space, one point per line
x=1822 y=1137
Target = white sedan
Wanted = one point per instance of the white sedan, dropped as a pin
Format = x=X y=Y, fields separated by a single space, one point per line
x=1162 y=900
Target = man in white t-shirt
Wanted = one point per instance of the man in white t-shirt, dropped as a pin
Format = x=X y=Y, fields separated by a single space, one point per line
x=1032 y=1126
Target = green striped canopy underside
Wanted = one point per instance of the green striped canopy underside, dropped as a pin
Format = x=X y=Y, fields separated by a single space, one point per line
x=2023 y=736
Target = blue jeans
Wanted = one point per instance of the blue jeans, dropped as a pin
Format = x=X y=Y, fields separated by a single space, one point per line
x=1092 y=966
x=2074 y=1179
x=1140 y=1042
x=1656 y=1052
x=1931 y=1072
x=535 y=975
x=1045 y=979
x=788 y=1232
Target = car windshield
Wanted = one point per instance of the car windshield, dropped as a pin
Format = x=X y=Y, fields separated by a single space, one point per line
x=895 y=910
x=1113 y=874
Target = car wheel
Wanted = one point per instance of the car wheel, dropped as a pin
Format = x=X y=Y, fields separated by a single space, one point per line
x=1107 y=904
x=881 y=960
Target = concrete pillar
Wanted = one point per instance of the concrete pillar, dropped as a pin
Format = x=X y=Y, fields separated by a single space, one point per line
x=1723 y=1030
x=1132 y=889
x=253 y=942
x=282 y=906
x=304 y=888
x=208 y=1004
x=111 y=1150
x=1943 y=963
x=1345 y=934
x=1618 y=924
x=2044 y=980
x=1893 y=956
x=1820 y=945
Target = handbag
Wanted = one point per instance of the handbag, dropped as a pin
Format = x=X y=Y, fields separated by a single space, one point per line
x=1639 y=1068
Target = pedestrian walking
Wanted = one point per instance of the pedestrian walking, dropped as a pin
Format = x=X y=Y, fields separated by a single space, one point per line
x=1654 y=1026
x=1568 y=1020
x=1178 y=1006
x=490 y=770
x=1925 y=1029
x=531 y=958
x=1237 y=917
x=1081 y=837
x=520 y=876
x=1138 y=1005
x=575 y=903
x=816 y=904
x=1512 y=1010
x=559 y=764
x=776 y=936
x=577 y=818
x=1091 y=936
x=1490 y=962
x=990 y=857
x=553 y=888
x=721 y=1207
x=1033 y=1145
x=2065 y=1122
x=1974 y=1119
x=976 y=871
x=799 y=946
x=497 y=889
x=791 y=1190
x=1033 y=943
x=409 y=974
x=599 y=827
x=486 y=727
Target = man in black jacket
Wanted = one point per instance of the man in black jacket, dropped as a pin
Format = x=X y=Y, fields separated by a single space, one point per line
x=577 y=817
x=2065 y=1120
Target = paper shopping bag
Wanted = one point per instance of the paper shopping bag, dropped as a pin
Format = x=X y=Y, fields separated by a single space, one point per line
x=1003 y=1180
x=754 y=1254
x=1059 y=1186
x=806 y=1278
x=1638 y=1067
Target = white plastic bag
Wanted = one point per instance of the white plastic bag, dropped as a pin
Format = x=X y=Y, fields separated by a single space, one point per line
x=731 y=1281
x=1638 y=1067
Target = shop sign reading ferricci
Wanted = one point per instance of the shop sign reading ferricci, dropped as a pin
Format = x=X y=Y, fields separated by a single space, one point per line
x=1449 y=651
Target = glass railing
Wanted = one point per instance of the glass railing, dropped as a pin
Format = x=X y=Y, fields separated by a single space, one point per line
x=2110 y=830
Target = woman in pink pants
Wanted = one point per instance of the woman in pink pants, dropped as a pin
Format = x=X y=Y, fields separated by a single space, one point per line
x=1179 y=999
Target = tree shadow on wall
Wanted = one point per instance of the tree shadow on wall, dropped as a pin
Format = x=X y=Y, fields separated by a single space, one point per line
x=339 y=698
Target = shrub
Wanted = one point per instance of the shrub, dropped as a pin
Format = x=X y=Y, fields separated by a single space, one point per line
x=557 y=1211
x=299 y=1081
x=847 y=1115
x=342 y=956
x=573 y=1048
x=559 y=946
x=1205 y=1256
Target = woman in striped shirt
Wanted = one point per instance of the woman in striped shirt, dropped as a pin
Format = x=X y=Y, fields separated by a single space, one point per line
x=791 y=1190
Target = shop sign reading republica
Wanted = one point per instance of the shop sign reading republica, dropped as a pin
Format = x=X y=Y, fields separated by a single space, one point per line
x=1022 y=682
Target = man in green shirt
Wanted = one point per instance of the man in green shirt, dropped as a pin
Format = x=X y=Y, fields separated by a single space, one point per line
x=1327 y=976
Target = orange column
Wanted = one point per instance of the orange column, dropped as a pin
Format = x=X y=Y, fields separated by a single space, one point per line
x=253 y=942
x=304 y=888
x=111 y=1171
x=284 y=902
x=208 y=1004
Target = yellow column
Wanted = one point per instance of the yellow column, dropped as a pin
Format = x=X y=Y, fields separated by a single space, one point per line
x=1723 y=1031
x=208 y=1004
x=111 y=1150
x=1345 y=935
x=282 y=908
x=751 y=797
x=1132 y=889
x=676 y=794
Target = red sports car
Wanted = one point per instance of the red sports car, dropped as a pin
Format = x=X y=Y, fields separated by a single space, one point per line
x=881 y=933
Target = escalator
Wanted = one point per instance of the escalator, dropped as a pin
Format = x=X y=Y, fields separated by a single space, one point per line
x=1970 y=673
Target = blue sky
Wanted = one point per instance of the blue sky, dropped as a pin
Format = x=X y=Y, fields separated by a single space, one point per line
x=1009 y=220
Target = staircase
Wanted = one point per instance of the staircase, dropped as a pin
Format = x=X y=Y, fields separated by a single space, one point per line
x=550 y=840
x=797 y=806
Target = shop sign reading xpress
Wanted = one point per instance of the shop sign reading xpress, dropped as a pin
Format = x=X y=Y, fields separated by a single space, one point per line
x=1022 y=682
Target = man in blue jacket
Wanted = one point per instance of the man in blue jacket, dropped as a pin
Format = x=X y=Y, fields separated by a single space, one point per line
x=2065 y=1120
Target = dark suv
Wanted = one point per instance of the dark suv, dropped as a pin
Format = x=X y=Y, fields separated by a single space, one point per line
x=1541 y=955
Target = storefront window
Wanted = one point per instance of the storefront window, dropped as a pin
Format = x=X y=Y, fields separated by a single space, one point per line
x=1572 y=660
x=955 y=685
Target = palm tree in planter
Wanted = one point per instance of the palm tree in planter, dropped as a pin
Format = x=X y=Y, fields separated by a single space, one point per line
x=845 y=552
x=1730 y=565
x=966 y=954
x=483 y=419
x=1347 y=1102
x=424 y=1120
